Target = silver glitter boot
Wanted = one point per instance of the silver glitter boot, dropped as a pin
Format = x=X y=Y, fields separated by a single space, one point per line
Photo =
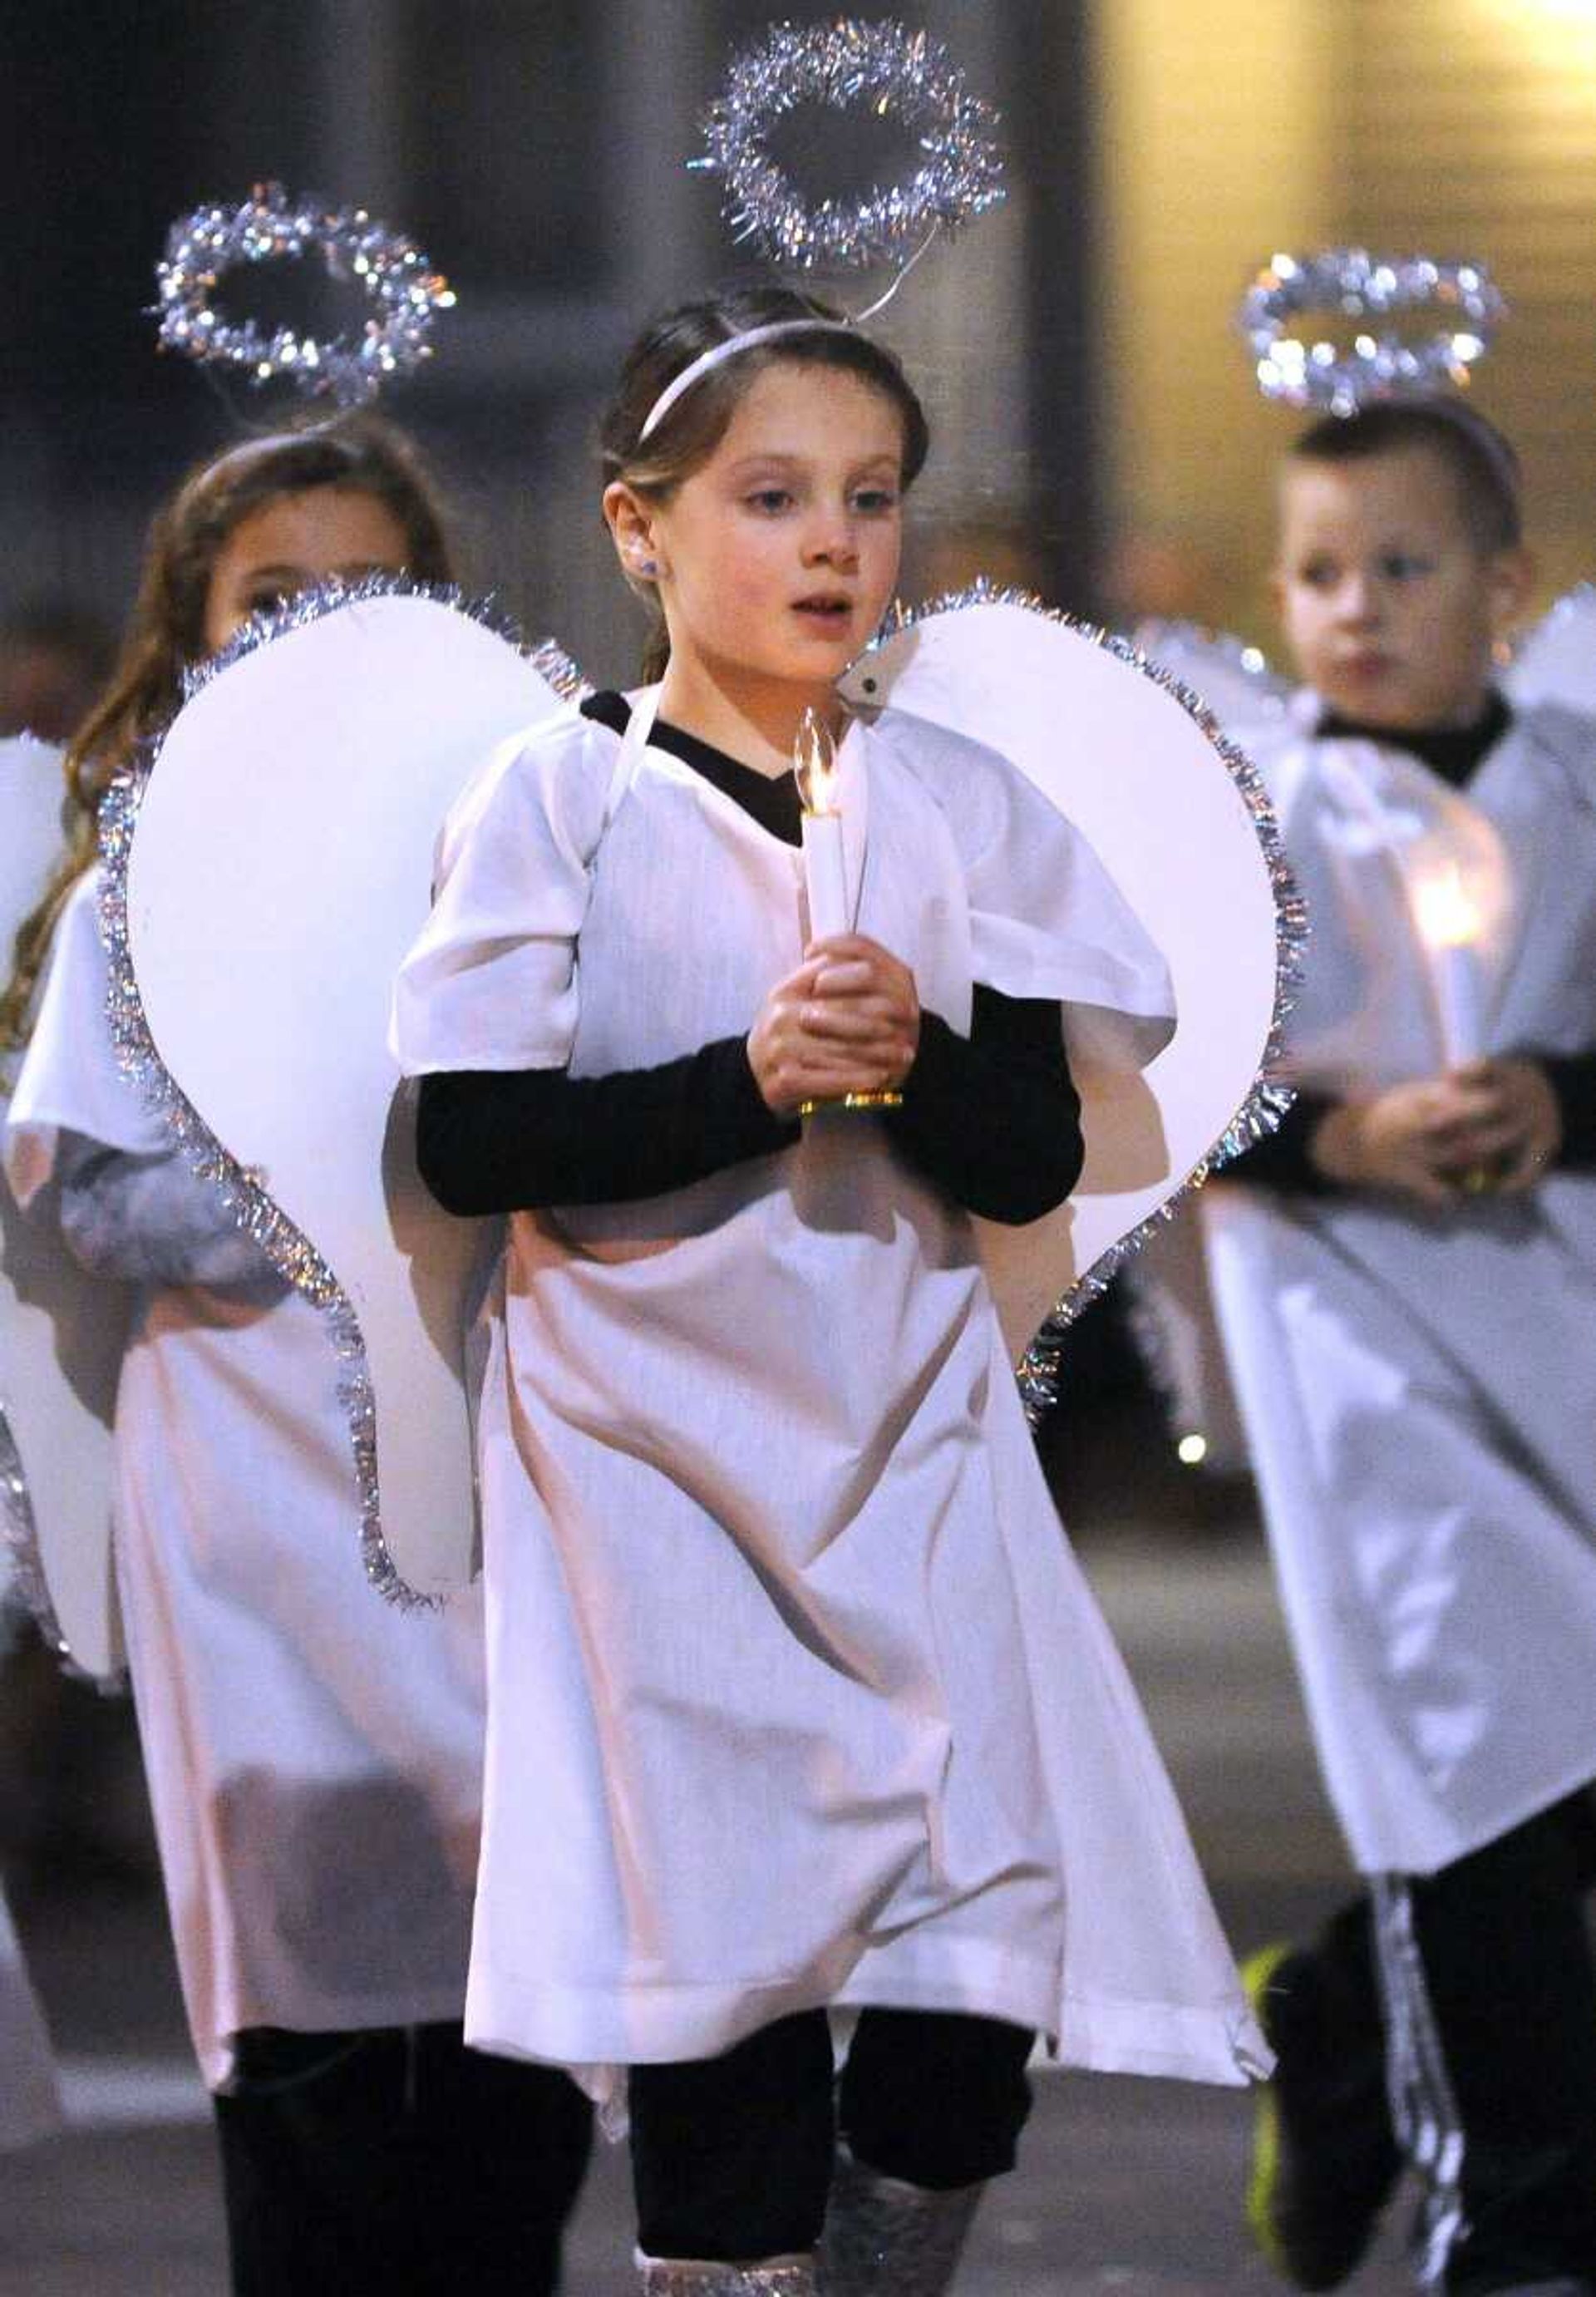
x=884 y=2238
x=687 y=2277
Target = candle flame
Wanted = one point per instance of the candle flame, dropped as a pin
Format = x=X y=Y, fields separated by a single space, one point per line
x=1446 y=914
x=815 y=764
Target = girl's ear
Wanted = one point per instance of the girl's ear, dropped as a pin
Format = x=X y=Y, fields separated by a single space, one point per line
x=629 y=518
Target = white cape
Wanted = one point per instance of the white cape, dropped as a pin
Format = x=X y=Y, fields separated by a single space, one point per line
x=753 y=1465
x=60 y=1339
x=955 y=1749
x=1420 y=1390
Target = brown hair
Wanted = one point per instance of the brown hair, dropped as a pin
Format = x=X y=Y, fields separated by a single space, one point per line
x=1482 y=461
x=166 y=633
x=695 y=425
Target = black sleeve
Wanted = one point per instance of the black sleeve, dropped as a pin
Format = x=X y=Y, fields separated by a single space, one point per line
x=993 y=1119
x=1573 y=1078
x=1281 y=1159
x=494 y=1141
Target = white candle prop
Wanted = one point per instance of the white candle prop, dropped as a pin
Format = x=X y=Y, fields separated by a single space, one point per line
x=1451 y=925
x=824 y=871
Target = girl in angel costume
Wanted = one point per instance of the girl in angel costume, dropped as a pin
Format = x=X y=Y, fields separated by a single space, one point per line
x=787 y=1654
x=314 y=1760
x=1406 y=1277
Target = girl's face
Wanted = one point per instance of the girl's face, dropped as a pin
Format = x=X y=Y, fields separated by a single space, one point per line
x=290 y=545
x=1389 y=606
x=777 y=558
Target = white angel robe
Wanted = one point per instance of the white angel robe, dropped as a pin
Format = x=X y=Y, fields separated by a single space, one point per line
x=314 y=1756
x=796 y=1694
x=1420 y=1388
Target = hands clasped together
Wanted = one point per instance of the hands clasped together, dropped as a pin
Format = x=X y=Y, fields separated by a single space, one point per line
x=1493 y=1127
x=848 y=1020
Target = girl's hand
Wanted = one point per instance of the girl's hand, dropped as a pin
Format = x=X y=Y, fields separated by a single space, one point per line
x=848 y=1020
x=865 y=999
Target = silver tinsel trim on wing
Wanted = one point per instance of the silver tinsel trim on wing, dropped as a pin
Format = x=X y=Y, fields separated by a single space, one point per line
x=1424 y=2111
x=202 y=248
x=547 y=658
x=1371 y=291
x=1242 y=668
x=28 y=1589
x=25 y=1571
x=848 y=65
x=1269 y=1099
x=290 y=1252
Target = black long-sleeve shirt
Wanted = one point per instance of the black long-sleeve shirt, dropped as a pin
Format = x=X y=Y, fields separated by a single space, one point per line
x=992 y=1120
x=1285 y=1159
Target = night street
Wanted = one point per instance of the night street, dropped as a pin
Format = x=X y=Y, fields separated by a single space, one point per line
x=1126 y=2186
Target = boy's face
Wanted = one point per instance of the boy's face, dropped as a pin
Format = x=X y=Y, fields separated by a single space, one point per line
x=1388 y=605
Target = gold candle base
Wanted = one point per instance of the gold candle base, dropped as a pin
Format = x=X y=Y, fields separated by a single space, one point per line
x=886 y=1099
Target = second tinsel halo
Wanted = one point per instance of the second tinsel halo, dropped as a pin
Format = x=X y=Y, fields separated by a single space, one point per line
x=1373 y=292
x=850 y=66
x=203 y=247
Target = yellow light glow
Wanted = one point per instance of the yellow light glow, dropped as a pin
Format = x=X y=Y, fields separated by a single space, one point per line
x=1444 y=911
x=1191 y=1451
x=815 y=764
x=1550 y=35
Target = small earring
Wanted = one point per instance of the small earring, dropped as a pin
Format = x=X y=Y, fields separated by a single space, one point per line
x=647 y=567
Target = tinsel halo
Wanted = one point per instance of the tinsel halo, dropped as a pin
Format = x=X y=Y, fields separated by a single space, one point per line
x=848 y=65
x=396 y=276
x=1374 y=290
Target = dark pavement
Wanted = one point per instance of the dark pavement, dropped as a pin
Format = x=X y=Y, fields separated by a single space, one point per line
x=1131 y=2186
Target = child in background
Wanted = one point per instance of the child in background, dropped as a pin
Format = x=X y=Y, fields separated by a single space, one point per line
x=314 y=1757
x=821 y=1709
x=1406 y=1277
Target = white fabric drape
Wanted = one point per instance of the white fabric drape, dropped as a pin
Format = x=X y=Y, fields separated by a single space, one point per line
x=1420 y=1389
x=790 y=1669
x=314 y=1757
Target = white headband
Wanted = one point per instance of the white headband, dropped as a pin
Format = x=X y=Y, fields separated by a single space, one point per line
x=718 y=353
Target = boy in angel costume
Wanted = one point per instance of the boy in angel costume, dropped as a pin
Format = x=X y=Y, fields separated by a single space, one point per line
x=1405 y=1275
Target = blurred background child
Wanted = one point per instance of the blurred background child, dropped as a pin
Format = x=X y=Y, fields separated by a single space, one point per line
x=1406 y=1275
x=314 y=1756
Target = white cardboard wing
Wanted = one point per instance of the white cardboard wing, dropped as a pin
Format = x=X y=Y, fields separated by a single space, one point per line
x=280 y=869
x=1555 y=662
x=1234 y=682
x=61 y=1332
x=1167 y=816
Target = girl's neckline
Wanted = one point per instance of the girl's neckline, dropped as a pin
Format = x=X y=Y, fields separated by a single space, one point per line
x=772 y=803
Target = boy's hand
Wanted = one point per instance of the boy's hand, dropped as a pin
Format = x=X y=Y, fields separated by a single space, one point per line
x=1517 y=1129
x=1493 y=1122
x=848 y=1020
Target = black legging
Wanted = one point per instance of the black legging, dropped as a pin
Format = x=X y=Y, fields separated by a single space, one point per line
x=732 y=2156
x=1507 y=1965
x=395 y=2162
